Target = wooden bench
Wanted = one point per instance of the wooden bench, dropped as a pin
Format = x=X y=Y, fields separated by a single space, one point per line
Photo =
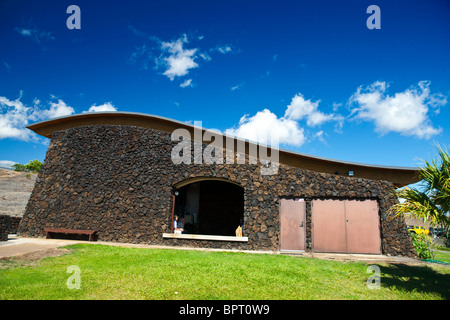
x=69 y=231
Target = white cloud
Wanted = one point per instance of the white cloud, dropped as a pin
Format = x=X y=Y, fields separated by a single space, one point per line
x=238 y=86
x=179 y=61
x=7 y=164
x=300 y=109
x=224 y=49
x=24 y=32
x=336 y=106
x=205 y=56
x=265 y=127
x=7 y=66
x=101 y=108
x=59 y=109
x=137 y=32
x=35 y=34
x=187 y=83
x=405 y=112
x=286 y=129
x=15 y=116
x=320 y=136
x=141 y=56
x=174 y=58
x=13 y=119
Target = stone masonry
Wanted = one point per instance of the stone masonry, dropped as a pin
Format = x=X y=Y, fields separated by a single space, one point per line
x=119 y=181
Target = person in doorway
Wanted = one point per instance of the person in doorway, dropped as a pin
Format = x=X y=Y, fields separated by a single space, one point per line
x=180 y=225
x=177 y=226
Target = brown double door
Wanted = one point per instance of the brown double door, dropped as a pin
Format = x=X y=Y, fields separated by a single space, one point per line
x=347 y=226
x=292 y=224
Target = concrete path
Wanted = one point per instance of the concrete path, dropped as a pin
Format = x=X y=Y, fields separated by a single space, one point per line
x=16 y=246
x=369 y=258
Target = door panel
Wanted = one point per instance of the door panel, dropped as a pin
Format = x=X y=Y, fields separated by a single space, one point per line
x=348 y=226
x=363 y=227
x=292 y=224
x=328 y=232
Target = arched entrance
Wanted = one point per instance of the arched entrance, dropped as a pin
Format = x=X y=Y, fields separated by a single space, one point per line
x=210 y=206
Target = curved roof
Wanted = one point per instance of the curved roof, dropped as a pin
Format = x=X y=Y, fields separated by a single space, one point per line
x=399 y=176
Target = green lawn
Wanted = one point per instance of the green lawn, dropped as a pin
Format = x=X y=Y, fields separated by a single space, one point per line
x=109 y=272
x=442 y=256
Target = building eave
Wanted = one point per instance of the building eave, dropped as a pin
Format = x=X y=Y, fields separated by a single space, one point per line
x=399 y=176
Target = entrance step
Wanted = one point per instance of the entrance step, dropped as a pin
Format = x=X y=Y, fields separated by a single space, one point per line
x=293 y=252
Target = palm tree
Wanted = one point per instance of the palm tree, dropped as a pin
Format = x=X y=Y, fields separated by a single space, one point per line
x=431 y=204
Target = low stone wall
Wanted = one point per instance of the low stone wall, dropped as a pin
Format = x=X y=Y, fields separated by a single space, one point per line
x=119 y=181
x=13 y=224
x=7 y=225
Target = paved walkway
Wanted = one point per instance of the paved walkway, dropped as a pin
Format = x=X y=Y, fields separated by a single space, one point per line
x=16 y=246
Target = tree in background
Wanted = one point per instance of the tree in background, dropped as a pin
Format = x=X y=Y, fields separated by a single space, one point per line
x=19 y=167
x=32 y=166
x=432 y=204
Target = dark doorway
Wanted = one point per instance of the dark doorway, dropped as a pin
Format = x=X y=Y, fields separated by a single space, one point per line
x=210 y=207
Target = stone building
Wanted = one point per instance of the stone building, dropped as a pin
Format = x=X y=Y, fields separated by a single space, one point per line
x=120 y=174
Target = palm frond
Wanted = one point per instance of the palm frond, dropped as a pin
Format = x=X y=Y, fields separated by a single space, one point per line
x=419 y=205
x=433 y=203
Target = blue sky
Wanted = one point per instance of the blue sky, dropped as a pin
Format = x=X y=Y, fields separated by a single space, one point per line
x=311 y=72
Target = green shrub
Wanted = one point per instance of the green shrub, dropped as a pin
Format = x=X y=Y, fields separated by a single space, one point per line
x=19 y=167
x=32 y=166
x=424 y=246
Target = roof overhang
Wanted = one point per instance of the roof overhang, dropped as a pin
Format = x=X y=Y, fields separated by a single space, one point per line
x=399 y=176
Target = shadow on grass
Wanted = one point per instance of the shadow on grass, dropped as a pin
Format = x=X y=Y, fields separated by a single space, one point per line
x=416 y=279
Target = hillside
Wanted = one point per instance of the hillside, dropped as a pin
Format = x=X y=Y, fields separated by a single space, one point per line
x=15 y=190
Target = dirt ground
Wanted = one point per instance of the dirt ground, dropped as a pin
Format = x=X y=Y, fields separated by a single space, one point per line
x=31 y=258
x=15 y=190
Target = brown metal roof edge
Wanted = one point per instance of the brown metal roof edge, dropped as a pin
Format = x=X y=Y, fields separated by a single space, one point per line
x=400 y=176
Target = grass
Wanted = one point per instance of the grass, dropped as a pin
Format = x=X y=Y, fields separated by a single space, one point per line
x=442 y=256
x=109 y=272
